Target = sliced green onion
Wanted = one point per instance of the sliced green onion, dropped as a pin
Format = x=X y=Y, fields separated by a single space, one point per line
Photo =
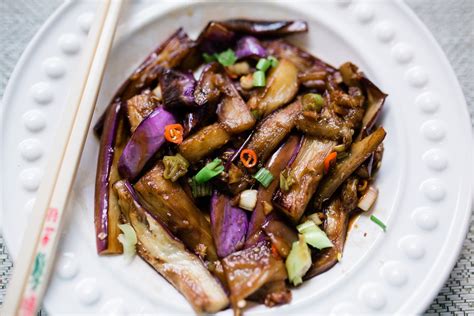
x=226 y=58
x=273 y=60
x=264 y=177
x=200 y=189
x=263 y=64
x=259 y=79
x=378 y=222
x=314 y=235
x=128 y=240
x=209 y=171
x=175 y=167
x=208 y=58
x=340 y=148
x=312 y=102
x=298 y=261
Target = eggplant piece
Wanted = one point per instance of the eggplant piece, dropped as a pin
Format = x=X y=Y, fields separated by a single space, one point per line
x=204 y=142
x=215 y=38
x=249 y=46
x=360 y=151
x=139 y=107
x=335 y=226
x=169 y=256
x=232 y=111
x=228 y=225
x=276 y=164
x=273 y=294
x=282 y=86
x=304 y=61
x=280 y=234
x=106 y=209
x=144 y=143
x=375 y=100
x=168 y=55
x=177 y=89
x=169 y=202
x=306 y=172
x=249 y=269
x=265 y=27
x=327 y=127
x=171 y=53
x=202 y=116
x=207 y=89
x=349 y=193
x=273 y=129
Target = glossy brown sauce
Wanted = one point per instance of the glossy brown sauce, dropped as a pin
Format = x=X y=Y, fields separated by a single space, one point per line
x=353 y=219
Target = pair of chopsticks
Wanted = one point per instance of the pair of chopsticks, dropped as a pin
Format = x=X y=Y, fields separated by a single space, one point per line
x=36 y=257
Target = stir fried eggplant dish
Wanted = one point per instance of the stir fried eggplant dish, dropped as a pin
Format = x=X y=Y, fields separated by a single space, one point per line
x=233 y=163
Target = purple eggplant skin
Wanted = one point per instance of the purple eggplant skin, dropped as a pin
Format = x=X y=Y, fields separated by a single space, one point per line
x=139 y=107
x=171 y=53
x=228 y=224
x=215 y=38
x=169 y=256
x=177 y=89
x=249 y=46
x=273 y=129
x=306 y=172
x=144 y=143
x=266 y=28
x=105 y=206
x=276 y=164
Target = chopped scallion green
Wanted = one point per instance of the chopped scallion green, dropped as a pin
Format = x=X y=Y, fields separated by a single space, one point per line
x=378 y=222
x=209 y=171
x=200 y=189
x=208 y=57
x=314 y=235
x=226 y=58
x=264 y=177
x=263 y=64
x=259 y=79
x=298 y=261
x=340 y=148
x=273 y=60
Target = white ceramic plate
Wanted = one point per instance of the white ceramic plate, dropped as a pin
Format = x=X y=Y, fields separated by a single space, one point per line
x=424 y=182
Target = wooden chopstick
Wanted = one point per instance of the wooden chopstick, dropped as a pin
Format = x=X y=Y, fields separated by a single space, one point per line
x=36 y=257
